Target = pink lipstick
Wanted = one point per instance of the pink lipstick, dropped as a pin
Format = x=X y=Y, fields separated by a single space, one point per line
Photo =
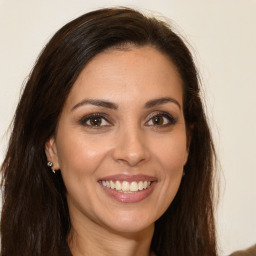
x=128 y=188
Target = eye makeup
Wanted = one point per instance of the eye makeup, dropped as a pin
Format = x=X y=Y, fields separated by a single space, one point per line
x=95 y=120
x=161 y=119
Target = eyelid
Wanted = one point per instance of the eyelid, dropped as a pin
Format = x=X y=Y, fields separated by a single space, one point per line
x=87 y=117
x=170 y=117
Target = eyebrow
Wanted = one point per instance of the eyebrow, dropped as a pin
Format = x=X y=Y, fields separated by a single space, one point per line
x=161 y=101
x=110 y=105
x=99 y=103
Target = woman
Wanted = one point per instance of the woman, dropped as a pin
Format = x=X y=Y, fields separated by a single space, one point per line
x=110 y=152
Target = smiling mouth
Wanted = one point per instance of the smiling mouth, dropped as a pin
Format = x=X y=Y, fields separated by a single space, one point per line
x=126 y=186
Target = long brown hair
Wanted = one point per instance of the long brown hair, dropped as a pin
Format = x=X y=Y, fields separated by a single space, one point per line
x=35 y=218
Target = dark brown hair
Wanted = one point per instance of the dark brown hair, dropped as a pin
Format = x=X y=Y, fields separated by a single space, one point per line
x=35 y=218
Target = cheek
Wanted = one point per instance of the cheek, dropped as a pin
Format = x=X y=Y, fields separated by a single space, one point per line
x=79 y=154
x=171 y=152
x=169 y=155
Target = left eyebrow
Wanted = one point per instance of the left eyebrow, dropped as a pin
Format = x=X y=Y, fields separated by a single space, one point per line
x=161 y=101
x=99 y=103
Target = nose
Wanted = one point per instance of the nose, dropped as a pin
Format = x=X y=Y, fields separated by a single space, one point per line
x=131 y=147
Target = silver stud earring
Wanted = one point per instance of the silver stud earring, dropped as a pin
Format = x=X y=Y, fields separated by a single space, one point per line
x=50 y=164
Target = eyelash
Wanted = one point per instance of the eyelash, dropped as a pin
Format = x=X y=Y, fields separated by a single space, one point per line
x=170 y=119
x=90 y=117
x=103 y=117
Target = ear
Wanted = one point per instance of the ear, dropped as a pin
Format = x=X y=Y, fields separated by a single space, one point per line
x=51 y=152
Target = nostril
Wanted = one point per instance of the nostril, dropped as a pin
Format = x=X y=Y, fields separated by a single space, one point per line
x=130 y=153
x=131 y=161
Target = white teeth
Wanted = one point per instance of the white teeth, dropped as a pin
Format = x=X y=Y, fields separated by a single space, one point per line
x=134 y=186
x=112 y=184
x=125 y=186
x=118 y=185
x=141 y=187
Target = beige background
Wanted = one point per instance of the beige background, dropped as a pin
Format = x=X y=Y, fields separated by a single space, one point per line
x=222 y=34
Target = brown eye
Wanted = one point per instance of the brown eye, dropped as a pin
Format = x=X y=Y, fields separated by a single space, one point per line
x=95 y=121
x=162 y=120
x=158 y=120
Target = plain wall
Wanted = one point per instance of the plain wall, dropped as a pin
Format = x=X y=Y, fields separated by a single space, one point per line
x=222 y=34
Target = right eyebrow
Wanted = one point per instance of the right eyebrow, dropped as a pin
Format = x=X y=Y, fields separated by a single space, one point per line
x=161 y=101
x=99 y=103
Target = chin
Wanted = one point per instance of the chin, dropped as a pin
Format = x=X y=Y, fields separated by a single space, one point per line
x=130 y=223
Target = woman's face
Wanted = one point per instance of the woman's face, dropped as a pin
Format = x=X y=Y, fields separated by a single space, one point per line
x=121 y=140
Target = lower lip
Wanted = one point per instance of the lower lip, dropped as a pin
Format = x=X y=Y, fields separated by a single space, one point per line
x=133 y=197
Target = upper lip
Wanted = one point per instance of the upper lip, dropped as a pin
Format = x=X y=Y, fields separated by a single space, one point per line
x=129 y=178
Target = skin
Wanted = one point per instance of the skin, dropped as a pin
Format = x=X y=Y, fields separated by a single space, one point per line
x=127 y=141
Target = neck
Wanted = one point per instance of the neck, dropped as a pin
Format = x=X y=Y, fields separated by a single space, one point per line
x=102 y=241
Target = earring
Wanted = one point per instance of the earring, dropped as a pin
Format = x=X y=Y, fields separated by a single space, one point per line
x=183 y=174
x=50 y=164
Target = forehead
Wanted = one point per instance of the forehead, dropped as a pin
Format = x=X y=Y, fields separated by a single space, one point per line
x=118 y=73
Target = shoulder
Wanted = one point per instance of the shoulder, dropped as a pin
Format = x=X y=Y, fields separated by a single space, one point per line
x=248 y=252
